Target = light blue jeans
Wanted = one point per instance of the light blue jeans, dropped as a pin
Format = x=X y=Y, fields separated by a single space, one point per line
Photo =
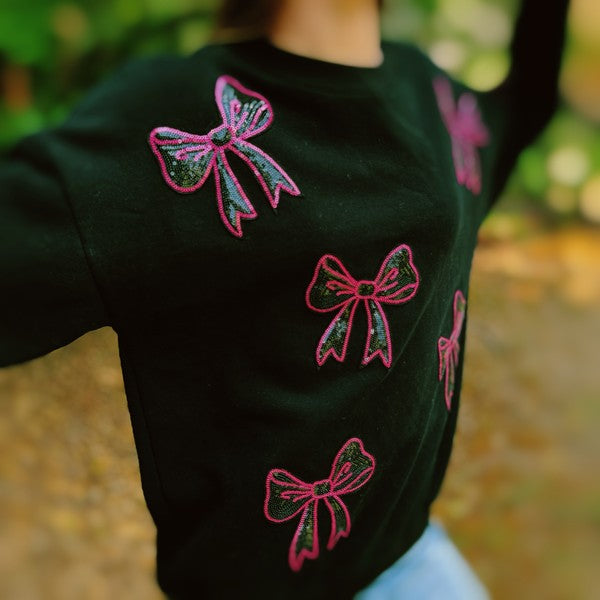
x=432 y=569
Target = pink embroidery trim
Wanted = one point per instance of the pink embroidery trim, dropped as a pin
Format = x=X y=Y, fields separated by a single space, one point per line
x=186 y=160
x=287 y=496
x=467 y=132
x=449 y=348
x=333 y=288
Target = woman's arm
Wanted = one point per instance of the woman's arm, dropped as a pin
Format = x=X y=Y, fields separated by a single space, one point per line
x=47 y=293
x=529 y=94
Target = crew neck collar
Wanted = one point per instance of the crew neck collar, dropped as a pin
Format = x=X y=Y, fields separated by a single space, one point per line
x=269 y=61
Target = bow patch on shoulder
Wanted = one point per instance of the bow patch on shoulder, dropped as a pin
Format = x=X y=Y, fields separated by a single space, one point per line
x=467 y=132
x=287 y=496
x=187 y=160
x=449 y=348
x=333 y=288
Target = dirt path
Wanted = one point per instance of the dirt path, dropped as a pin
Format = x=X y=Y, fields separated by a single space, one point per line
x=522 y=497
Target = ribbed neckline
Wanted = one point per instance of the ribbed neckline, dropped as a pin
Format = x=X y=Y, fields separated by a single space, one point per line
x=268 y=61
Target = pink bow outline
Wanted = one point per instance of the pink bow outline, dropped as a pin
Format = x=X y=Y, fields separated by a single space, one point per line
x=333 y=288
x=287 y=496
x=449 y=348
x=467 y=132
x=186 y=160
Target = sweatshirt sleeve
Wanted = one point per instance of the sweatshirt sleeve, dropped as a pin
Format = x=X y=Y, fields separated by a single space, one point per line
x=47 y=293
x=528 y=97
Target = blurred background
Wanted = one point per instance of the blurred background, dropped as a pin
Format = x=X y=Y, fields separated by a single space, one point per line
x=522 y=497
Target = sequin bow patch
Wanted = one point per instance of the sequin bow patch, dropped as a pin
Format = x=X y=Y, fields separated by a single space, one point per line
x=287 y=496
x=449 y=348
x=467 y=132
x=187 y=160
x=333 y=288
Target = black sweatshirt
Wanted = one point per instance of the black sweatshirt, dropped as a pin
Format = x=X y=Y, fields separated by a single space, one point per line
x=283 y=247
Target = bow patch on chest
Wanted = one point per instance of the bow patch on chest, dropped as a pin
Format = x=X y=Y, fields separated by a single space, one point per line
x=187 y=160
x=287 y=496
x=449 y=348
x=333 y=288
x=467 y=132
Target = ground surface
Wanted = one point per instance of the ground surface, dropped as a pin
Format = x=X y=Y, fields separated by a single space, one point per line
x=522 y=497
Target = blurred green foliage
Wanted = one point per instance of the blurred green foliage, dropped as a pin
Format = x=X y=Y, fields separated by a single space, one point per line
x=52 y=51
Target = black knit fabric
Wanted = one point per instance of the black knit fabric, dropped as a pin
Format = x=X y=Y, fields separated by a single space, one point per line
x=315 y=348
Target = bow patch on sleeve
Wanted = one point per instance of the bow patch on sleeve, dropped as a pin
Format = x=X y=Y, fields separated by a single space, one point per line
x=449 y=348
x=187 y=160
x=287 y=497
x=467 y=132
x=333 y=288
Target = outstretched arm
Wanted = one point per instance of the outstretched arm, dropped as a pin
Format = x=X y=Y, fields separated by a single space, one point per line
x=529 y=95
x=47 y=293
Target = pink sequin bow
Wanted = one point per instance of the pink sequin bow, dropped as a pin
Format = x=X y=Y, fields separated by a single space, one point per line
x=449 y=348
x=186 y=159
x=467 y=132
x=333 y=288
x=287 y=496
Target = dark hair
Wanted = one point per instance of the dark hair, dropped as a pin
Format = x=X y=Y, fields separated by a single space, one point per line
x=247 y=18
x=244 y=18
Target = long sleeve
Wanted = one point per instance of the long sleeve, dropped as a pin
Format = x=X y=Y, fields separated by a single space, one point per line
x=47 y=294
x=529 y=95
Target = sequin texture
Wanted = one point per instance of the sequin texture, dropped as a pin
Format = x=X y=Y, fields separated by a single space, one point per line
x=187 y=160
x=288 y=496
x=333 y=288
x=449 y=348
x=467 y=132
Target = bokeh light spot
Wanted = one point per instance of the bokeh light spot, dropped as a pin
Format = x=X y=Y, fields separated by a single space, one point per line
x=69 y=23
x=448 y=54
x=487 y=70
x=568 y=165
